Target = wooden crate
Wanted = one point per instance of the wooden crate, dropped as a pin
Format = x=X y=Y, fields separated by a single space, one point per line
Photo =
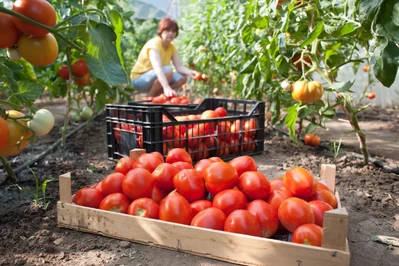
x=225 y=246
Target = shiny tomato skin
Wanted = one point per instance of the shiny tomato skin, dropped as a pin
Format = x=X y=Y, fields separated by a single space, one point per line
x=243 y=164
x=9 y=34
x=163 y=175
x=242 y=222
x=112 y=183
x=79 y=68
x=321 y=185
x=229 y=200
x=326 y=196
x=124 y=165
x=158 y=154
x=182 y=165
x=255 y=185
x=190 y=184
x=221 y=111
x=276 y=197
x=157 y=194
x=300 y=182
x=294 y=212
x=144 y=207
x=38 y=10
x=88 y=197
x=178 y=155
x=38 y=50
x=202 y=164
x=138 y=183
x=115 y=202
x=312 y=139
x=147 y=161
x=308 y=234
x=219 y=176
x=200 y=205
x=319 y=208
x=211 y=218
x=175 y=208
x=266 y=215
x=277 y=183
x=63 y=72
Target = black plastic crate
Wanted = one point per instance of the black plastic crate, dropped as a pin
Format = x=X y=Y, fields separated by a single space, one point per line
x=162 y=127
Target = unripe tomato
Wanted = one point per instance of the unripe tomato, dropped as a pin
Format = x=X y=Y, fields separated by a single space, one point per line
x=307 y=92
x=38 y=10
x=86 y=113
x=13 y=54
x=370 y=95
x=19 y=134
x=39 y=51
x=79 y=68
x=63 y=72
x=4 y=133
x=312 y=139
x=9 y=34
x=41 y=123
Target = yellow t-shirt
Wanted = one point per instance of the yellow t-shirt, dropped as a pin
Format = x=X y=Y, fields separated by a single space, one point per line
x=143 y=63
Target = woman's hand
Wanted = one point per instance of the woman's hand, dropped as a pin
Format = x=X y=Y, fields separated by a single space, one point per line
x=192 y=74
x=169 y=92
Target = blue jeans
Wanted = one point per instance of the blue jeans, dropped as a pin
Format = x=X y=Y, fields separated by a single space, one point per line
x=144 y=82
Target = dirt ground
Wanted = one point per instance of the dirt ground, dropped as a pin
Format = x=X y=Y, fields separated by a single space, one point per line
x=29 y=235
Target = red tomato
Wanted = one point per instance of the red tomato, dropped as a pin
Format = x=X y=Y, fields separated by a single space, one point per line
x=255 y=185
x=202 y=164
x=209 y=114
x=321 y=185
x=230 y=200
x=163 y=175
x=190 y=184
x=277 y=183
x=326 y=196
x=236 y=128
x=63 y=72
x=138 y=183
x=98 y=186
x=144 y=207
x=250 y=128
x=124 y=165
x=242 y=222
x=319 y=208
x=308 y=234
x=243 y=164
x=178 y=155
x=112 y=183
x=158 y=154
x=157 y=195
x=211 y=218
x=182 y=165
x=300 y=182
x=147 y=161
x=216 y=159
x=115 y=202
x=370 y=95
x=79 y=68
x=219 y=176
x=221 y=111
x=88 y=197
x=294 y=212
x=224 y=131
x=276 y=197
x=175 y=208
x=266 y=215
x=312 y=139
x=200 y=205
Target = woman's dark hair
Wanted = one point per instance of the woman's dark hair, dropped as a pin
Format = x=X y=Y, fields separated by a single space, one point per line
x=167 y=24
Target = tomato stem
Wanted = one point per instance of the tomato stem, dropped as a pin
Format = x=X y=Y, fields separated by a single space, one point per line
x=8 y=168
x=31 y=21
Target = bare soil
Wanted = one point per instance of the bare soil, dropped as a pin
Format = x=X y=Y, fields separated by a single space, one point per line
x=29 y=234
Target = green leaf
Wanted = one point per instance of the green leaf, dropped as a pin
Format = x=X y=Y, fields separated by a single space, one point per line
x=260 y=22
x=337 y=30
x=290 y=120
x=27 y=92
x=387 y=21
x=249 y=66
x=6 y=76
x=313 y=35
x=367 y=11
x=117 y=23
x=246 y=34
x=342 y=86
x=102 y=58
x=385 y=60
x=282 y=43
x=311 y=127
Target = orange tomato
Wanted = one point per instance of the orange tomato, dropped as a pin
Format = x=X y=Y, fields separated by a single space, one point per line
x=4 y=133
x=9 y=34
x=307 y=92
x=312 y=139
x=39 y=51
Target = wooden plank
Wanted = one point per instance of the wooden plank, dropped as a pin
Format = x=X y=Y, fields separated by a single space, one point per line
x=65 y=188
x=335 y=229
x=136 y=153
x=236 y=248
x=328 y=173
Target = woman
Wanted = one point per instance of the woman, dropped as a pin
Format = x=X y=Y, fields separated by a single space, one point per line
x=152 y=72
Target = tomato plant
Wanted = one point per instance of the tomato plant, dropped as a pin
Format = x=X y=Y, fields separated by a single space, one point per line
x=144 y=207
x=211 y=218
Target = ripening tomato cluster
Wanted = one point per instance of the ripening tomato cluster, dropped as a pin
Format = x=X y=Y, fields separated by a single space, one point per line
x=202 y=139
x=16 y=129
x=214 y=194
x=80 y=71
x=23 y=39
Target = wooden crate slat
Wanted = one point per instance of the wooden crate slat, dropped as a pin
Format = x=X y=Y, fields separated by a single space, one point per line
x=220 y=245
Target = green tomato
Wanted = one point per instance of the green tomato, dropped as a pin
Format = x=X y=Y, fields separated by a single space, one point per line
x=86 y=113
x=75 y=117
x=41 y=123
x=13 y=54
